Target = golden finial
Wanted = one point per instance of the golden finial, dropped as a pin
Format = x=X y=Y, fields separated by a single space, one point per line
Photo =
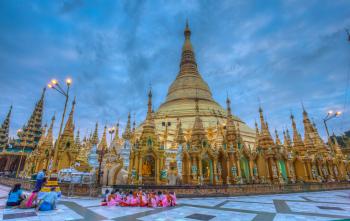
x=187 y=31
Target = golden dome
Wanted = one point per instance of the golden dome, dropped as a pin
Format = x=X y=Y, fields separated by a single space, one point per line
x=188 y=87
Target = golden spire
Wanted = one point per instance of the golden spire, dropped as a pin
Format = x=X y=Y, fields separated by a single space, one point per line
x=188 y=61
x=149 y=105
x=257 y=135
x=67 y=138
x=230 y=134
x=149 y=126
x=103 y=143
x=69 y=127
x=180 y=138
x=116 y=136
x=265 y=138
x=127 y=132
x=77 y=140
x=94 y=138
x=286 y=139
x=148 y=136
x=334 y=143
x=33 y=126
x=198 y=132
x=4 y=130
x=48 y=144
x=297 y=141
x=188 y=80
x=278 y=141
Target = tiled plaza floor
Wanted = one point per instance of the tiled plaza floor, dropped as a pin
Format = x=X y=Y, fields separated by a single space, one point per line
x=315 y=206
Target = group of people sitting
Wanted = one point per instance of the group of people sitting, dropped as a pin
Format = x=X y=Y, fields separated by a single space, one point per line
x=47 y=201
x=138 y=198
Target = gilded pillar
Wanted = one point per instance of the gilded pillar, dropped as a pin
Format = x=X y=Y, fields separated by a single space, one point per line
x=214 y=172
x=251 y=168
x=157 y=170
x=200 y=169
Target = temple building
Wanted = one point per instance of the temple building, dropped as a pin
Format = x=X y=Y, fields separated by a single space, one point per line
x=13 y=155
x=190 y=139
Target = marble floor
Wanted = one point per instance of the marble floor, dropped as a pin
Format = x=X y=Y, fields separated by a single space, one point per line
x=315 y=206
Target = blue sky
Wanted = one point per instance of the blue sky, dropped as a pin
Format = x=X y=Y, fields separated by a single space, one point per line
x=279 y=51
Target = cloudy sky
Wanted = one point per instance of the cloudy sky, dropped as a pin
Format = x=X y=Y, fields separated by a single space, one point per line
x=281 y=52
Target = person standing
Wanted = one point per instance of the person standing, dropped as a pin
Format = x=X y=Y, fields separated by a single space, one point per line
x=40 y=178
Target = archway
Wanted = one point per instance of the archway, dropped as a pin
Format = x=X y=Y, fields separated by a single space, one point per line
x=207 y=169
x=244 y=163
x=148 y=169
x=282 y=168
x=222 y=162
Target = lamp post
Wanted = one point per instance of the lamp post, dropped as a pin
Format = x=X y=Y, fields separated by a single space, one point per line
x=330 y=115
x=111 y=132
x=22 y=152
x=56 y=86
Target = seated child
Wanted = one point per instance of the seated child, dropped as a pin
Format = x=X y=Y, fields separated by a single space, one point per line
x=111 y=199
x=142 y=198
x=105 y=197
x=173 y=199
x=152 y=200
x=160 y=198
x=134 y=200
x=15 y=196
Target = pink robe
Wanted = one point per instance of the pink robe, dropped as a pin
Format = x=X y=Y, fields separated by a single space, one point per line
x=142 y=200
x=112 y=201
x=165 y=201
x=134 y=201
x=153 y=201
x=173 y=197
x=118 y=198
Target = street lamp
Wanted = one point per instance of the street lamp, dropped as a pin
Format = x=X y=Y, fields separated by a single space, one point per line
x=56 y=86
x=22 y=152
x=330 y=115
x=111 y=132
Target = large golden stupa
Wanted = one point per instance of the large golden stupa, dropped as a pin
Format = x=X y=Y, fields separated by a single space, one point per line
x=180 y=101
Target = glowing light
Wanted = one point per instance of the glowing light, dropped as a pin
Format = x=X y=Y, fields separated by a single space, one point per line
x=111 y=130
x=338 y=113
x=49 y=86
x=54 y=81
x=330 y=112
x=69 y=81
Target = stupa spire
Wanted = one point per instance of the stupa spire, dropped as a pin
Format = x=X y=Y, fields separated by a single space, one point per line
x=66 y=141
x=297 y=141
x=48 y=143
x=103 y=143
x=127 y=132
x=4 y=130
x=198 y=131
x=33 y=126
x=94 y=139
x=69 y=127
x=278 y=141
x=180 y=138
x=230 y=126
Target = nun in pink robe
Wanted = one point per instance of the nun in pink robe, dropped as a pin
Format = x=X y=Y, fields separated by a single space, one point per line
x=173 y=198
x=152 y=200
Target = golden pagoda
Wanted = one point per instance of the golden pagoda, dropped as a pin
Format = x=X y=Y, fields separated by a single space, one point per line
x=15 y=153
x=190 y=139
x=147 y=157
x=4 y=131
x=180 y=101
x=67 y=150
